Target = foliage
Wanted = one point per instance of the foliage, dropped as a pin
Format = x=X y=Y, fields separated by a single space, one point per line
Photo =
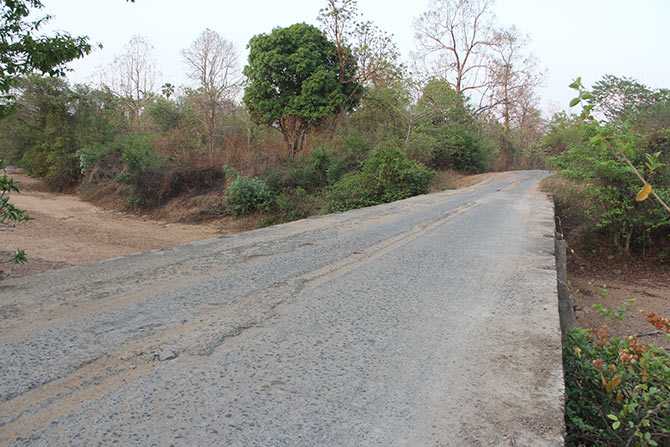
x=460 y=148
x=618 y=391
x=618 y=313
x=23 y=50
x=611 y=160
x=563 y=132
x=247 y=195
x=9 y=213
x=372 y=50
x=137 y=154
x=165 y=113
x=293 y=83
x=52 y=122
x=447 y=133
x=297 y=204
x=309 y=173
x=387 y=175
x=383 y=113
x=622 y=98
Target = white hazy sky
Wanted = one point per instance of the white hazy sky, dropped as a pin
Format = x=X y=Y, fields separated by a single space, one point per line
x=569 y=37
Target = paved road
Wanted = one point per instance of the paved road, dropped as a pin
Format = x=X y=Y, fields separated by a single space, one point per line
x=427 y=322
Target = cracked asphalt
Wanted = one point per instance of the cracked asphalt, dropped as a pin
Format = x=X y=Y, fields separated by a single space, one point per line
x=427 y=322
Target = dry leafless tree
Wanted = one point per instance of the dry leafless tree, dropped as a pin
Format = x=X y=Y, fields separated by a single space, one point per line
x=454 y=39
x=132 y=76
x=213 y=62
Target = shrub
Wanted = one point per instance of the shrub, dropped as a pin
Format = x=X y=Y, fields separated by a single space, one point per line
x=387 y=175
x=137 y=154
x=461 y=148
x=247 y=195
x=89 y=156
x=420 y=147
x=610 y=187
x=618 y=391
x=297 y=204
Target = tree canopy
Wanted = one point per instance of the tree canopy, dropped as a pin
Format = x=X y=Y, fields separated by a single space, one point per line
x=293 y=81
x=23 y=50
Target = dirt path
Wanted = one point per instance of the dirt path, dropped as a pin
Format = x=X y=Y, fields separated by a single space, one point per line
x=65 y=230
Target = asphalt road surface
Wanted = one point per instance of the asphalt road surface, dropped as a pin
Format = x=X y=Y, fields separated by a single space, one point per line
x=427 y=322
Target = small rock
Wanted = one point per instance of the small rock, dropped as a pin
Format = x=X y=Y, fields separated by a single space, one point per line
x=165 y=355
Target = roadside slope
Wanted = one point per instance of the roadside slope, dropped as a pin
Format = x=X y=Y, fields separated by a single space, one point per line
x=65 y=230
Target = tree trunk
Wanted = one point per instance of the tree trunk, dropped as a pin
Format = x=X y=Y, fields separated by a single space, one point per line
x=294 y=131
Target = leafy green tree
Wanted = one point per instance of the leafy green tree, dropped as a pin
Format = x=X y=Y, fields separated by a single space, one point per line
x=52 y=122
x=293 y=82
x=621 y=98
x=383 y=113
x=445 y=125
x=23 y=50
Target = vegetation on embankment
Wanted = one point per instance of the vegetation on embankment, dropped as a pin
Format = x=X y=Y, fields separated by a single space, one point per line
x=617 y=390
x=611 y=191
x=321 y=118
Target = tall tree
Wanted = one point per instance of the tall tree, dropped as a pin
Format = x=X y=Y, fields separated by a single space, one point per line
x=513 y=79
x=620 y=98
x=454 y=37
x=23 y=50
x=133 y=77
x=293 y=81
x=372 y=49
x=214 y=63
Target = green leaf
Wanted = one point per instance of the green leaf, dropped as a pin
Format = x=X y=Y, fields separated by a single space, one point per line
x=576 y=84
x=575 y=101
x=616 y=425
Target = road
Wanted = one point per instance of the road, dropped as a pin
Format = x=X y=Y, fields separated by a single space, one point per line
x=427 y=322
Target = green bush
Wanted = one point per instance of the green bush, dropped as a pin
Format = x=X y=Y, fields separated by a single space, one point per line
x=247 y=195
x=461 y=148
x=618 y=391
x=297 y=204
x=609 y=188
x=387 y=175
x=137 y=154
x=420 y=147
x=90 y=155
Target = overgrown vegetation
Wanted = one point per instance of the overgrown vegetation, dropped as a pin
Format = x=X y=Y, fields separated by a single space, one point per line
x=330 y=119
x=606 y=162
x=612 y=161
x=9 y=213
x=387 y=175
x=617 y=391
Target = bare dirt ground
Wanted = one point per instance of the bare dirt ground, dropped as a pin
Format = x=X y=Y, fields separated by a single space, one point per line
x=65 y=230
x=612 y=284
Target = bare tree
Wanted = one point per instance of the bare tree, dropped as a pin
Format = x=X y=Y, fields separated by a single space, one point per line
x=214 y=63
x=133 y=75
x=454 y=38
x=359 y=41
x=514 y=73
x=514 y=78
